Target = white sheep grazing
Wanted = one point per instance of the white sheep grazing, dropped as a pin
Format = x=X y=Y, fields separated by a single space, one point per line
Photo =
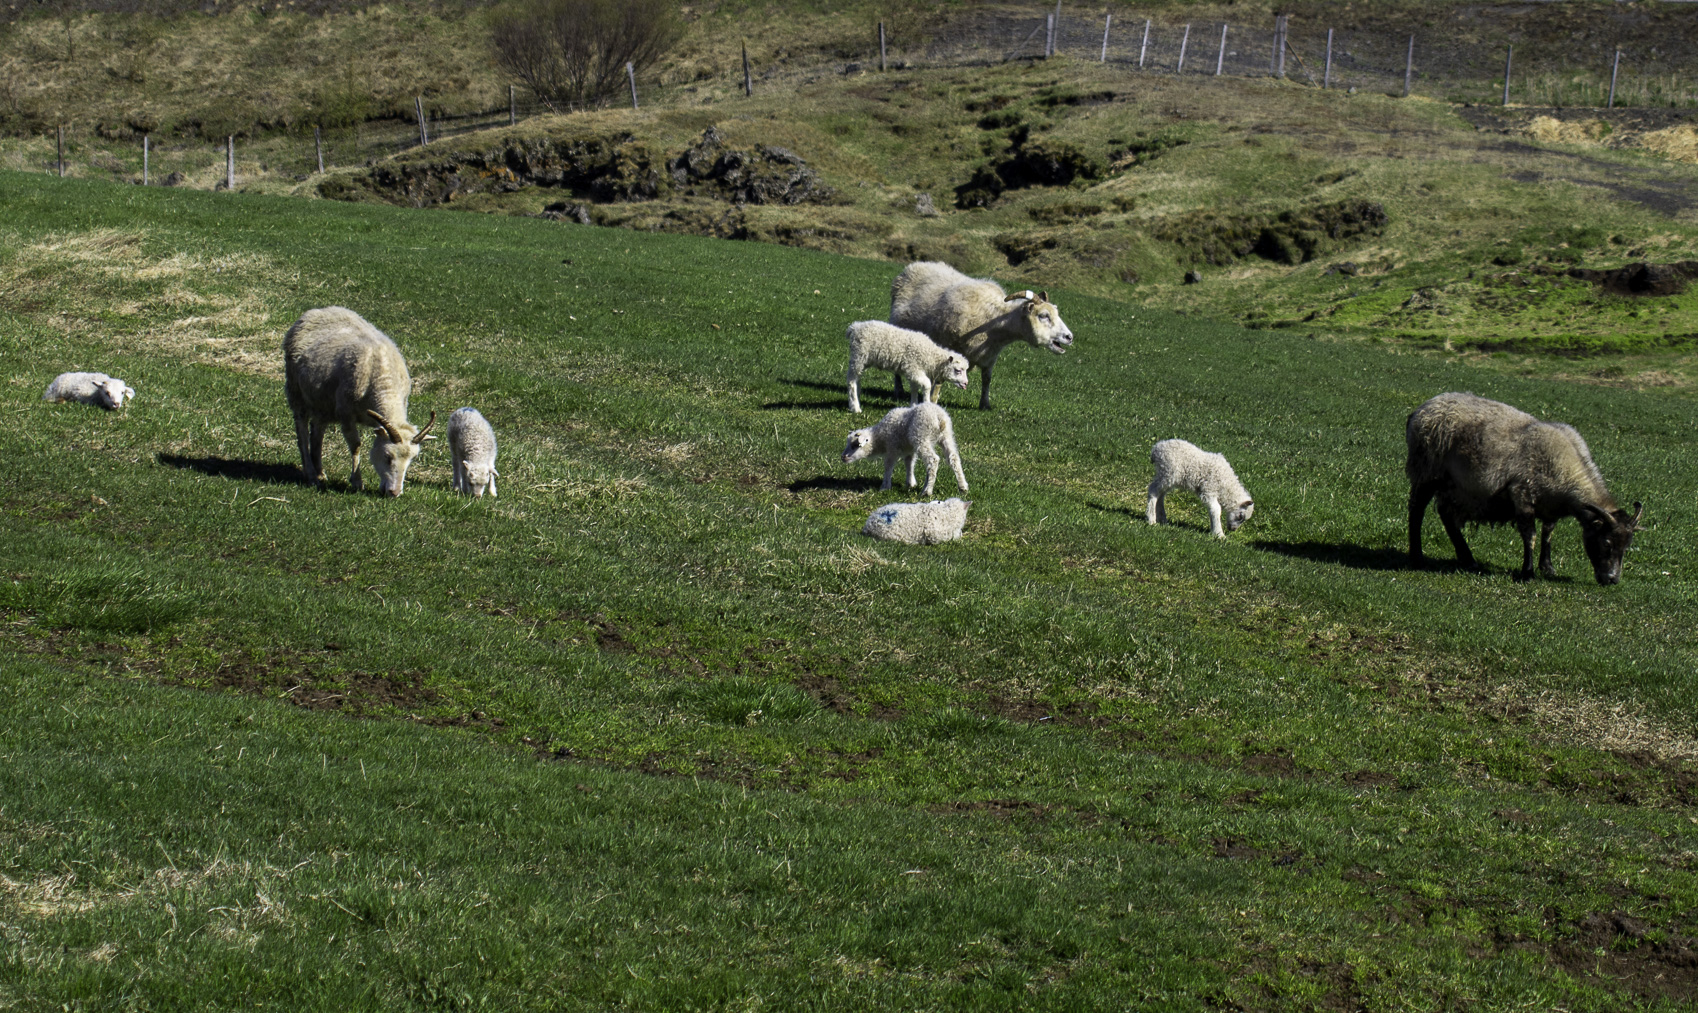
x=1182 y=465
x=339 y=368
x=973 y=316
x=919 y=523
x=96 y=389
x=471 y=444
x=925 y=363
x=911 y=433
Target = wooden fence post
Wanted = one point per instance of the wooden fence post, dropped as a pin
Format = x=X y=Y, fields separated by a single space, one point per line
x=512 y=108
x=1220 y=61
x=1146 y=46
x=230 y=162
x=1107 y=18
x=748 y=81
x=631 y=72
x=1409 y=68
x=1613 y=72
x=1507 y=59
x=147 y=149
x=318 y=147
x=1183 y=42
x=418 y=107
x=1326 y=78
x=881 y=45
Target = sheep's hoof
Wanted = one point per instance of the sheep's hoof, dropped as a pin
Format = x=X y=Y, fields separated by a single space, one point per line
x=1523 y=576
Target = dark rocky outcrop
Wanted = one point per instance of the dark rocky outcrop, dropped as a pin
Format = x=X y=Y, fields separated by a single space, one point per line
x=1642 y=279
x=766 y=175
x=1289 y=237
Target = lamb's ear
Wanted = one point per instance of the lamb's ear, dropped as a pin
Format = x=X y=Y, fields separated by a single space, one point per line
x=1247 y=503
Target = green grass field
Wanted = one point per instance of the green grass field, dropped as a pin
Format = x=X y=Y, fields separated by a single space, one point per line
x=659 y=729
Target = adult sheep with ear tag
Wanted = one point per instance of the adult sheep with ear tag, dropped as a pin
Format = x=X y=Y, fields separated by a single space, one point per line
x=339 y=368
x=973 y=316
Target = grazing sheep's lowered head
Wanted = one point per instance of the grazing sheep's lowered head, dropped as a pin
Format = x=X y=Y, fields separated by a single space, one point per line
x=1606 y=534
x=955 y=370
x=861 y=445
x=1043 y=319
x=393 y=448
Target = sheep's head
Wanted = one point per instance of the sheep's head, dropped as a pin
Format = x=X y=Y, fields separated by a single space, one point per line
x=954 y=371
x=393 y=448
x=1606 y=534
x=1236 y=517
x=1043 y=321
x=480 y=478
x=859 y=447
x=110 y=393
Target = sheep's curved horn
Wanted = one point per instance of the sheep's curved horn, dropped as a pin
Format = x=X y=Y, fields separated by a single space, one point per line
x=383 y=423
x=1026 y=294
x=419 y=437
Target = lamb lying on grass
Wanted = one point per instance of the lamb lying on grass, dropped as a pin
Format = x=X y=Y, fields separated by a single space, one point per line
x=1182 y=465
x=96 y=389
x=919 y=523
x=874 y=344
x=909 y=432
x=471 y=445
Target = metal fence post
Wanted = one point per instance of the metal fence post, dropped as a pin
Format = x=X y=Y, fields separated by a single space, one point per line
x=1220 y=61
x=1507 y=59
x=1409 y=68
x=748 y=81
x=1146 y=46
x=1326 y=78
x=418 y=107
x=230 y=162
x=512 y=108
x=61 y=151
x=1183 y=42
x=881 y=45
x=318 y=147
x=631 y=73
x=1614 y=70
x=147 y=149
x=1107 y=18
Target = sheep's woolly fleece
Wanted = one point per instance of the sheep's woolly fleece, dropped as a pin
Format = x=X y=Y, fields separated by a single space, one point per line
x=919 y=523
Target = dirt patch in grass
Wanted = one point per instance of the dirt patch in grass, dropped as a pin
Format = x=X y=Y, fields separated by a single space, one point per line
x=830 y=693
x=1624 y=952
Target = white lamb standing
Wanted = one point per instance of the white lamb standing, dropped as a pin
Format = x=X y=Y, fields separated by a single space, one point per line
x=919 y=523
x=339 y=368
x=96 y=389
x=925 y=364
x=471 y=444
x=973 y=316
x=1183 y=465
x=911 y=433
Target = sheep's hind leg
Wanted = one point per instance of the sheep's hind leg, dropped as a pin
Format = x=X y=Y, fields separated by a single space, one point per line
x=1157 y=513
x=1419 y=497
x=1545 y=566
x=1525 y=528
x=930 y=455
x=1453 y=528
x=954 y=455
x=351 y=433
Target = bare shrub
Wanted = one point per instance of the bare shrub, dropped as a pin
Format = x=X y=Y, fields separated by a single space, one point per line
x=572 y=53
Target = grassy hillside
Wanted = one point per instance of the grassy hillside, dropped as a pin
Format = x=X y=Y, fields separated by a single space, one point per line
x=658 y=728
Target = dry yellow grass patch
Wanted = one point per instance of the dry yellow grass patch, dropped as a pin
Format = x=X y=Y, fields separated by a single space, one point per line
x=1679 y=142
x=185 y=297
x=1551 y=130
x=1608 y=725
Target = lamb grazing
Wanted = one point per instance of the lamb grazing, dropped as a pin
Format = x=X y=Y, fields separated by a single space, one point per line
x=973 y=316
x=1488 y=463
x=339 y=368
x=471 y=444
x=1183 y=465
x=96 y=389
x=874 y=343
x=909 y=432
x=919 y=523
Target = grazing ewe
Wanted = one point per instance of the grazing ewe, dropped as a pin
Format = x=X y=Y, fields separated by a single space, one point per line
x=1182 y=465
x=911 y=432
x=919 y=523
x=339 y=368
x=471 y=445
x=1489 y=463
x=973 y=316
x=911 y=354
x=96 y=389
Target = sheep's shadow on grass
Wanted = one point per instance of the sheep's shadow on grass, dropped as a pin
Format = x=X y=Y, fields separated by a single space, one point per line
x=235 y=468
x=836 y=483
x=878 y=397
x=1358 y=557
x=1124 y=511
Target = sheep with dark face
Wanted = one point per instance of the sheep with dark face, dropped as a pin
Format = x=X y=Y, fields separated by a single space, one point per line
x=1488 y=463
x=339 y=368
x=973 y=316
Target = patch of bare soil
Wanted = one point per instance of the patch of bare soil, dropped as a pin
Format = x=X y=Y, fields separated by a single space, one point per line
x=1622 y=952
x=830 y=693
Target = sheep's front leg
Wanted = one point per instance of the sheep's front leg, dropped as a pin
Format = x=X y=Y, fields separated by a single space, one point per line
x=889 y=466
x=1157 y=513
x=923 y=388
x=1545 y=566
x=351 y=433
x=984 y=385
x=1214 y=517
x=854 y=391
x=911 y=459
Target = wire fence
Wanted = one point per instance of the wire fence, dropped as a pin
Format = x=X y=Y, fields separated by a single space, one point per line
x=1558 y=69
